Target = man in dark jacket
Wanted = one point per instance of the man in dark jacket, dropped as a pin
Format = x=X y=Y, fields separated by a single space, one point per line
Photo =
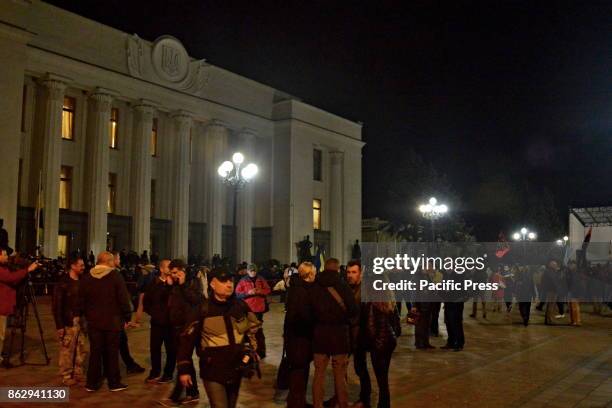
x=298 y=333
x=131 y=366
x=155 y=303
x=67 y=316
x=524 y=288
x=105 y=302
x=453 y=312
x=184 y=303
x=334 y=308
x=223 y=326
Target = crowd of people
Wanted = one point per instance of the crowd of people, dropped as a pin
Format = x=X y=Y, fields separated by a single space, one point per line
x=219 y=313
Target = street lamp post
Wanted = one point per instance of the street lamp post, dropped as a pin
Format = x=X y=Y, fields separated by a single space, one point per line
x=236 y=175
x=524 y=235
x=433 y=211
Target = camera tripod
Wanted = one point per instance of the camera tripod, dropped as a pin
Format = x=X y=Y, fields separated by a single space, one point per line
x=25 y=299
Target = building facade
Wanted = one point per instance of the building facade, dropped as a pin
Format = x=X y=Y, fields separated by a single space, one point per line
x=118 y=140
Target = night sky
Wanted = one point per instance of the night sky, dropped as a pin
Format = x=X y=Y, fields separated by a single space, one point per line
x=481 y=90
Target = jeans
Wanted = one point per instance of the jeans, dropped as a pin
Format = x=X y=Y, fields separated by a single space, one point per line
x=339 y=365
x=381 y=361
x=222 y=395
x=104 y=352
x=162 y=334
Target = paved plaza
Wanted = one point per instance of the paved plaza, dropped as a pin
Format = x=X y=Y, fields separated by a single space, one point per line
x=503 y=365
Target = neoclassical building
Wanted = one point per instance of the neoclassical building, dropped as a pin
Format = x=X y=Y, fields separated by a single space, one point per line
x=118 y=140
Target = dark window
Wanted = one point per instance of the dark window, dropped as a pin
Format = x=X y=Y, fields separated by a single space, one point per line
x=112 y=193
x=317 y=164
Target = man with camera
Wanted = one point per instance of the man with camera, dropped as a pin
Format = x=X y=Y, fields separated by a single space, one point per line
x=155 y=303
x=67 y=316
x=224 y=336
x=10 y=276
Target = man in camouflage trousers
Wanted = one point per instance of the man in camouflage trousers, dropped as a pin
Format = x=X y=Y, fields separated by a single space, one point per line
x=67 y=315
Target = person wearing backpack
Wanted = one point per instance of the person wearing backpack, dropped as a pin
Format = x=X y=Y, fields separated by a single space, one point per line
x=335 y=311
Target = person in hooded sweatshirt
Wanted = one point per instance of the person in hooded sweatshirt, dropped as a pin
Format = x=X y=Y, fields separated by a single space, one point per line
x=105 y=303
x=335 y=311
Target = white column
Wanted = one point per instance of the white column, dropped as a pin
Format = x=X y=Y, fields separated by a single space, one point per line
x=99 y=131
x=336 y=205
x=246 y=202
x=141 y=177
x=180 y=181
x=51 y=162
x=13 y=52
x=216 y=136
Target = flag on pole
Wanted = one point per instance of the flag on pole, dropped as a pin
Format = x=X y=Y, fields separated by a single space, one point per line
x=582 y=259
x=503 y=247
x=319 y=259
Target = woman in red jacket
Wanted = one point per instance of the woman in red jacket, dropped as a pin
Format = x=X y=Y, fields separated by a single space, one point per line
x=254 y=290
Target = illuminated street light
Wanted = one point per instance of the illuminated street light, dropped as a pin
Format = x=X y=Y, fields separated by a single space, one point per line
x=432 y=211
x=524 y=235
x=236 y=176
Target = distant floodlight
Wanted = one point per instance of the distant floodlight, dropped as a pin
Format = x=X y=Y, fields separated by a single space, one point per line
x=516 y=236
x=531 y=235
x=443 y=208
x=433 y=201
x=566 y=238
x=523 y=230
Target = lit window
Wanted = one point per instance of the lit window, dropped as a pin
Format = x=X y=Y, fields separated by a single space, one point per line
x=65 y=190
x=114 y=131
x=154 y=138
x=62 y=245
x=68 y=118
x=112 y=193
x=316 y=214
x=152 y=197
x=317 y=163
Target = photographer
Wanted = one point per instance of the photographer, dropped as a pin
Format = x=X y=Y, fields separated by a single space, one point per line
x=220 y=334
x=67 y=316
x=10 y=276
x=184 y=305
x=155 y=304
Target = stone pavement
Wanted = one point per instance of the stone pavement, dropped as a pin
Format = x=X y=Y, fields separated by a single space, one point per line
x=503 y=365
